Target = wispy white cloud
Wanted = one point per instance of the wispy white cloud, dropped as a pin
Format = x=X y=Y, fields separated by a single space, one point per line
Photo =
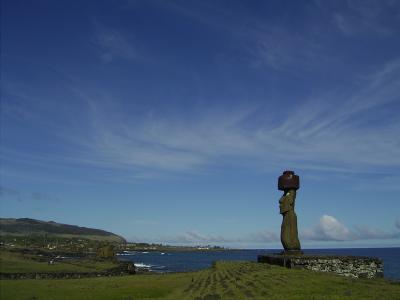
x=264 y=43
x=367 y=233
x=354 y=129
x=307 y=49
x=112 y=43
x=344 y=24
x=195 y=238
x=333 y=132
x=191 y=237
x=365 y=17
x=262 y=237
x=383 y=183
x=327 y=229
x=284 y=50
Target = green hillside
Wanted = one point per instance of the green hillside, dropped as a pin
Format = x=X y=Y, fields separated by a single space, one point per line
x=26 y=226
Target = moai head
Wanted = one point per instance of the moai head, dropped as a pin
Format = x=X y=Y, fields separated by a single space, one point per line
x=287 y=201
x=288 y=182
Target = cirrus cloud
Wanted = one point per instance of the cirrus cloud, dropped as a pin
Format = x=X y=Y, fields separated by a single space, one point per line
x=112 y=43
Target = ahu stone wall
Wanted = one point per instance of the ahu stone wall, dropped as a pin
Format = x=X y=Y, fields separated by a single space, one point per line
x=349 y=266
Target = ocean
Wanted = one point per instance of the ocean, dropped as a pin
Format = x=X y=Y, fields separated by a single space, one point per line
x=192 y=261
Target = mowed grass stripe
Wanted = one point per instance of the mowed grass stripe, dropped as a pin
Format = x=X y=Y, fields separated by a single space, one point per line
x=226 y=280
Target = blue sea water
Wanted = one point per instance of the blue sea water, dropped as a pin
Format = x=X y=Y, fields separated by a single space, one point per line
x=196 y=260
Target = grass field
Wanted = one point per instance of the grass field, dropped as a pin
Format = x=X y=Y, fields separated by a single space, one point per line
x=226 y=280
x=11 y=262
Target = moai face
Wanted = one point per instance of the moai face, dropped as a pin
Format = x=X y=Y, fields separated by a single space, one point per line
x=286 y=203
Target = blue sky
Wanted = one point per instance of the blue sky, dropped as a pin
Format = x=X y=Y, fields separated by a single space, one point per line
x=170 y=121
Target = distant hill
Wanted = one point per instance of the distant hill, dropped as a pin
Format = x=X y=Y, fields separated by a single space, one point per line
x=26 y=226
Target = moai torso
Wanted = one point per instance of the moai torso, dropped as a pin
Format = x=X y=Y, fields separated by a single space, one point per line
x=289 y=234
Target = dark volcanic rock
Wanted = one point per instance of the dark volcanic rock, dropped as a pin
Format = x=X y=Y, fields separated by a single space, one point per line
x=349 y=266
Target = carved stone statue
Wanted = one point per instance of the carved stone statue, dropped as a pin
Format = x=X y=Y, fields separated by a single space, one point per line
x=289 y=183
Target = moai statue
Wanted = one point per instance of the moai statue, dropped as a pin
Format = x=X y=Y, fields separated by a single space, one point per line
x=289 y=183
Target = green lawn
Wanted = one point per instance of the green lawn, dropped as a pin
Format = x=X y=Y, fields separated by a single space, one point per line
x=226 y=280
x=11 y=262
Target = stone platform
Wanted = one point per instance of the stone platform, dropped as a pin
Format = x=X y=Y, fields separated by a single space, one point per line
x=350 y=266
